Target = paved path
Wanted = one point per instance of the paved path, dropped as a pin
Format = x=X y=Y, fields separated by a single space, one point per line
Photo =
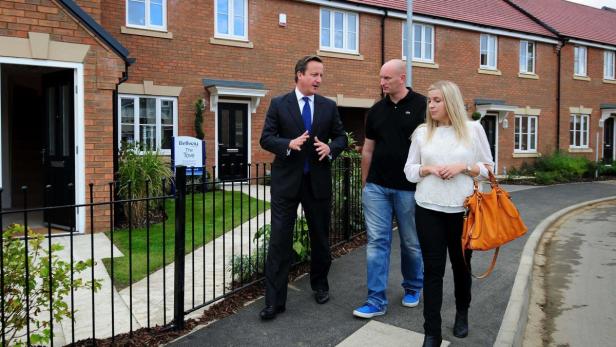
x=577 y=279
x=211 y=270
x=307 y=324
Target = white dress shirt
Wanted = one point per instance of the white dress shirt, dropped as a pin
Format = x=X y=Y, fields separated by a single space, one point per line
x=444 y=148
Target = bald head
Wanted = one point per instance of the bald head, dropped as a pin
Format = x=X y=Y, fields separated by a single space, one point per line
x=396 y=65
x=393 y=78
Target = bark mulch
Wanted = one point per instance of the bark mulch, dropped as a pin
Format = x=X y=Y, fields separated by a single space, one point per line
x=160 y=335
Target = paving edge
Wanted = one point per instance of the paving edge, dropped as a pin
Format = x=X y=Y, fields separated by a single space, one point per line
x=512 y=329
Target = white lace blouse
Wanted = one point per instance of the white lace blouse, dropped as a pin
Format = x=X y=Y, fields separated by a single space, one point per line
x=444 y=148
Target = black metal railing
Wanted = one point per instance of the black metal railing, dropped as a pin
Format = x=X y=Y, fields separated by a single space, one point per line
x=107 y=273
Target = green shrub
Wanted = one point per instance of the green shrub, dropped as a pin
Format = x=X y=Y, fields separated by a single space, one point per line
x=607 y=170
x=563 y=167
x=137 y=167
x=38 y=291
x=245 y=268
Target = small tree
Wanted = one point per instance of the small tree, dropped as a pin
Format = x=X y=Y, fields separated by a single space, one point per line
x=39 y=288
x=199 y=107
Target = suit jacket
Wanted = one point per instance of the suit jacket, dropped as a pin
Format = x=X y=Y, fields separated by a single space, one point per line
x=283 y=123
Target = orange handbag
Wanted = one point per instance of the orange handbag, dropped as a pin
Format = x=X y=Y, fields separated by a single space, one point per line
x=490 y=221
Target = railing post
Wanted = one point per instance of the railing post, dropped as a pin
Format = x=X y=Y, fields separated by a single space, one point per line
x=180 y=223
x=346 y=202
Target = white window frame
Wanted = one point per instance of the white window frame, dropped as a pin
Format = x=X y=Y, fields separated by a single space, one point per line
x=231 y=22
x=487 y=50
x=580 y=62
x=517 y=132
x=422 y=55
x=609 y=63
x=158 y=118
x=524 y=55
x=148 y=25
x=584 y=130
x=345 y=31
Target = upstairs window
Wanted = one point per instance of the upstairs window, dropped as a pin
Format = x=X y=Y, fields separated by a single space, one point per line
x=608 y=65
x=579 y=61
x=423 y=43
x=339 y=31
x=488 y=53
x=146 y=14
x=527 y=57
x=578 y=131
x=231 y=19
x=148 y=120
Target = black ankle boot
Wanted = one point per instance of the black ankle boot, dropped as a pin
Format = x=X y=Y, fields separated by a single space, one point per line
x=460 y=327
x=432 y=341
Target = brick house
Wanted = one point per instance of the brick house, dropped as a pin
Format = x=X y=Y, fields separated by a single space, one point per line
x=235 y=55
x=59 y=70
x=586 y=62
x=237 y=73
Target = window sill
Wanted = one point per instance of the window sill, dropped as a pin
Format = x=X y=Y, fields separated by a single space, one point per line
x=424 y=64
x=609 y=81
x=351 y=56
x=144 y=32
x=489 y=72
x=232 y=43
x=581 y=78
x=526 y=155
x=531 y=76
x=580 y=150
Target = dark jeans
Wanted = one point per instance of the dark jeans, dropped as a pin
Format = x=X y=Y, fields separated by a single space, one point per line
x=439 y=232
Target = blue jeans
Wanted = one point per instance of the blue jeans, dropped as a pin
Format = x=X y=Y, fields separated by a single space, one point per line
x=380 y=205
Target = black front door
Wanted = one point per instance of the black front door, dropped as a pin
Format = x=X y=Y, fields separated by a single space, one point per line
x=608 y=140
x=232 y=141
x=489 y=125
x=58 y=150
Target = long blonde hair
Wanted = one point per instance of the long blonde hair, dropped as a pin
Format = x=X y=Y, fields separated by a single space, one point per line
x=454 y=105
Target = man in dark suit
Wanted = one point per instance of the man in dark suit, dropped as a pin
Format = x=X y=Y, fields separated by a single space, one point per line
x=305 y=133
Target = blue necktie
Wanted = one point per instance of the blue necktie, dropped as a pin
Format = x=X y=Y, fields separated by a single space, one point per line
x=306 y=115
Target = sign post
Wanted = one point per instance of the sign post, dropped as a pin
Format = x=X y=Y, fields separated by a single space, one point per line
x=190 y=152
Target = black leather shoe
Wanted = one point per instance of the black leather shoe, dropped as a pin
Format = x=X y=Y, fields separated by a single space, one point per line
x=460 y=327
x=432 y=341
x=321 y=296
x=269 y=312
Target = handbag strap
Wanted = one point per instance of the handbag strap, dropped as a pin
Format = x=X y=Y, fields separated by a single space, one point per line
x=488 y=271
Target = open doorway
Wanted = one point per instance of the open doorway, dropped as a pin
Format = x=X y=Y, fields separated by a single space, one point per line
x=38 y=147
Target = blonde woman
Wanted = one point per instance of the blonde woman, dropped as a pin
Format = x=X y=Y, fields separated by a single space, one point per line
x=446 y=153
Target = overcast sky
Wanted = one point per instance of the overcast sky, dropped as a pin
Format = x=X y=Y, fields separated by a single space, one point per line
x=597 y=3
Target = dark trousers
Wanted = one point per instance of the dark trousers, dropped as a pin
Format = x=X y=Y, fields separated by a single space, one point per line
x=280 y=251
x=439 y=232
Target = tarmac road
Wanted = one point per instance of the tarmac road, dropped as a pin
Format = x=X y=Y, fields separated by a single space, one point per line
x=575 y=302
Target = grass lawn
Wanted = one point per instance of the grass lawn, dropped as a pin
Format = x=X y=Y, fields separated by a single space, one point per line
x=242 y=204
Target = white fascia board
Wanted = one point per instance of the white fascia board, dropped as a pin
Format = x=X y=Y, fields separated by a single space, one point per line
x=478 y=28
x=434 y=21
x=345 y=6
x=591 y=44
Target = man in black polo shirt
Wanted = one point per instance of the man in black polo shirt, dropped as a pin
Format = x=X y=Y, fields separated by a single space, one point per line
x=386 y=193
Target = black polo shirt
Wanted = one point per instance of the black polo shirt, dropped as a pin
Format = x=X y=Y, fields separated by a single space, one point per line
x=390 y=126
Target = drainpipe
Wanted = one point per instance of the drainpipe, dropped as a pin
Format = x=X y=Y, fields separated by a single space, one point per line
x=559 y=48
x=115 y=147
x=385 y=15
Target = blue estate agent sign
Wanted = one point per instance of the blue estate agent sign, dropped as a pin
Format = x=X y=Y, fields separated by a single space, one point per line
x=190 y=152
